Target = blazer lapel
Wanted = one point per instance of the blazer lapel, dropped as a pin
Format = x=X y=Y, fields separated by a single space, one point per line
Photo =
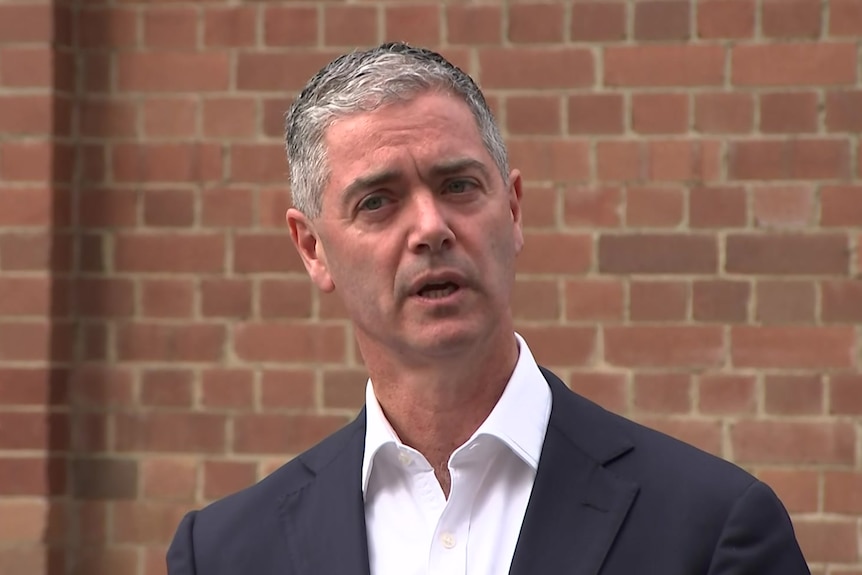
x=577 y=506
x=324 y=519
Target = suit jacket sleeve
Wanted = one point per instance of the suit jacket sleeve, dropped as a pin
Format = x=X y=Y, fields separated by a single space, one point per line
x=181 y=553
x=757 y=538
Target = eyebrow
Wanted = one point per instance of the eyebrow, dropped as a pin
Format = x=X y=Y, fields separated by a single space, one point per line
x=446 y=168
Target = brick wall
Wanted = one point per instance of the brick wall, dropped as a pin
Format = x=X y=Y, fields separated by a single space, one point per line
x=693 y=213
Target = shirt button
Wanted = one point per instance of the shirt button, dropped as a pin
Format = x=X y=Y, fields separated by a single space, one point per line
x=404 y=458
x=448 y=540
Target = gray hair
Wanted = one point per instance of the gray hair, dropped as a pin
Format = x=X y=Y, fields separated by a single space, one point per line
x=363 y=81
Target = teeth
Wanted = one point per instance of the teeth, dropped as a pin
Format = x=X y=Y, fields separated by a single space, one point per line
x=434 y=293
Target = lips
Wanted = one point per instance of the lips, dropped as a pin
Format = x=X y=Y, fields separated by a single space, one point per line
x=438 y=290
x=437 y=285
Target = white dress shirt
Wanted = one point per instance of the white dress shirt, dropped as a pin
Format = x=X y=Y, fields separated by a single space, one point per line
x=413 y=529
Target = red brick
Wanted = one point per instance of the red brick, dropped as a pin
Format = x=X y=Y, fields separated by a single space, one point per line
x=290 y=25
x=720 y=301
x=225 y=477
x=620 y=160
x=596 y=114
x=662 y=20
x=800 y=347
x=23 y=296
x=593 y=206
x=535 y=300
x=90 y=433
x=785 y=302
x=226 y=298
x=664 y=65
x=841 y=301
x=787 y=254
x=717 y=207
x=474 y=24
x=281 y=434
x=258 y=163
x=667 y=346
x=793 y=442
x=606 y=389
x=34 y=431
x=32 y=386
x=229 y=117
x=170 y=27
x=285 y=298
x=230 y=388
x=557 y=160
x=654 y=207
x=788 y=113
x=108 y=27
x=168 y=162
x=791 y=18
x=536 y=23
x=173 y=71
x=186 y=253
x=103 y=118
x=170 y=342
x=845 y=394
x=282 y=71
x=798 y=489
x=683 y=160
x=725 y=18
x=536 y=68
x=228 y=207
x=30 y=22
x=723 y=112
x=705 y=435
x=101 y=208
x=344 y=388
x=844 y=111
x=287 y=389
x=35 y=252
x=842 y=492
x=594 y=300
x=533 y=115
x=167 y=298
x=272 y=205
x=167 y=387
x=662 y=392
x=290 y=342
x=168 y=478
x=230 y=26
x=793 y=394
x=101 y=386
x=829 y=540
x=26 y=207
x=845 y=17
x=805 y=64
x=170 y=117
x=659 y=113
x=658 y=300
x=26 y=115
x=727 y=394
x=558 y=345
x=26 y=161
x=783 y=206
x=555 y=253
x=419 y=25
x=30 y=475
x=597 y=21
x=265 y=253
x=841 y=206
x=658 y=253
x=273 y=115
x=99 y=560
x=146 y=522
x=27 y=67
x=169 y=208
x=170 y=432
x=540 y=209
x=34 y=341
x=349 y=25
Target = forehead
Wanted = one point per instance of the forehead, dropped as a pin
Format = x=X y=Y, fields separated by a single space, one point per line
x=431 y=127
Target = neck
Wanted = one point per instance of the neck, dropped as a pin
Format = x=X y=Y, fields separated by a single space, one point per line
x=435 y=409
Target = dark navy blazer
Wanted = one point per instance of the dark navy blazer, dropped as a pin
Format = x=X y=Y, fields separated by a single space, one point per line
x=610 y=497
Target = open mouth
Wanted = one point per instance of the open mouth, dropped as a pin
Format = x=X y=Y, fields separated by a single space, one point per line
x=437 y=290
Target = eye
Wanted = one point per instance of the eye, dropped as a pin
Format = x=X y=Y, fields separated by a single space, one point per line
x=373 y=203
x=459 y=186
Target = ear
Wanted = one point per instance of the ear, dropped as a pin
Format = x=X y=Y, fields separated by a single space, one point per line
x=307 y=241
x=515 y=192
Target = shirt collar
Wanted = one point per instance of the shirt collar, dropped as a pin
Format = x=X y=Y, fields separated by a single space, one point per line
x=519 y=419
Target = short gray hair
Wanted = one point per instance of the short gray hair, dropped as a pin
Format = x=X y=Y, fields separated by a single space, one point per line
x=363 y=81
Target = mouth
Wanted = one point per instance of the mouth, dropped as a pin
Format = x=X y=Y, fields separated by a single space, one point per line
x=437 y=290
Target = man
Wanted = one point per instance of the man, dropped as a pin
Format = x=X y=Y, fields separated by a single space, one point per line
x=468 y=457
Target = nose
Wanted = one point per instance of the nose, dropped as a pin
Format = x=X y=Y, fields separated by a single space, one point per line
x=430 y=231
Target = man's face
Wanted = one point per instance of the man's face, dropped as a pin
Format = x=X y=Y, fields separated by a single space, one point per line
x=418 y=231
